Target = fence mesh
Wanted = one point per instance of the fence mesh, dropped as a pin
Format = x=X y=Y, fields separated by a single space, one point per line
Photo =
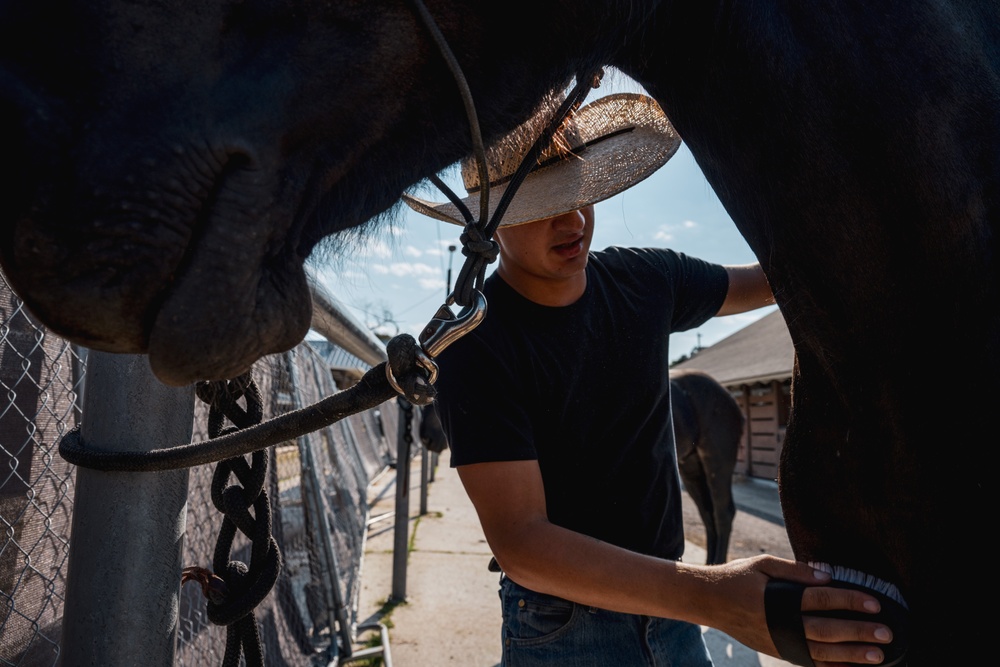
x=317 y=487
x=40 y=376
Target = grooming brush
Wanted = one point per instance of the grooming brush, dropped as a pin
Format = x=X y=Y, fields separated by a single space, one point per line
x=894 y=611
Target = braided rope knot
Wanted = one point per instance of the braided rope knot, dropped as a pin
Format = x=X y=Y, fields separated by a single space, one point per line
x=243 y=589
x=235 y=589
x=211 y=392
x=475 y=242
x=223 y=398
x=480 y=250
x=247 y=585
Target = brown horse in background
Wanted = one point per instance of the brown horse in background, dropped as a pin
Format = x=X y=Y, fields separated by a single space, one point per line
x=708 y=424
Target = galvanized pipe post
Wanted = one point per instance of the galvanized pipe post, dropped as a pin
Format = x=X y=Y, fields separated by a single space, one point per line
x=424 y=478
x=123 y=574
x=401 y=527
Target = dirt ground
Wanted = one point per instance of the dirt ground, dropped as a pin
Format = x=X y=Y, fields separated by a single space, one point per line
x=751 y=535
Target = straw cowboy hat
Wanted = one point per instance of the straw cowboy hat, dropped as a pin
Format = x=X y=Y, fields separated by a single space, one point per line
x=602 y=149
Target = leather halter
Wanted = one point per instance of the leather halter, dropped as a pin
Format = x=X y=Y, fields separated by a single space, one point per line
x=477 y=244
x=480 y=232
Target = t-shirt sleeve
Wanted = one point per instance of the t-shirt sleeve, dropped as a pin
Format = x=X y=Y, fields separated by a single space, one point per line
x=692 y=289
x=482 y=406
x=698 y=287
x=701 y=290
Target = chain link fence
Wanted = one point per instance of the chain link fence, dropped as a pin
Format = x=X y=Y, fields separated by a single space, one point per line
x=40 y=376
x=317 y=487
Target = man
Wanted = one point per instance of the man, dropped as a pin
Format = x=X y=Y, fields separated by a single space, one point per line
x=556 y=409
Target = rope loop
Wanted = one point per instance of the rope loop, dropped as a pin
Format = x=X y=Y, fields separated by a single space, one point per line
x=371 y=391
x=408 y=371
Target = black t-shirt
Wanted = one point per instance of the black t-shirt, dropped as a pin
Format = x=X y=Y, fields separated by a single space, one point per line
x=584 y=390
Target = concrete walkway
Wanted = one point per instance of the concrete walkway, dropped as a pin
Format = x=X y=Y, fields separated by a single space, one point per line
x=451 y=612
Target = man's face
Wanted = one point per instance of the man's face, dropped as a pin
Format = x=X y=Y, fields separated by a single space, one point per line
x=547 y=252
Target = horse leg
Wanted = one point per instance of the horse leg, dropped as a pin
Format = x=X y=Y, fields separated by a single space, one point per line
x=696 y=484
x=718 y=475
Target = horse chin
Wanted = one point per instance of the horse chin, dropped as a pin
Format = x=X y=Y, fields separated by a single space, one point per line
x=75 y=301
x=216 y=332
x=207 y=314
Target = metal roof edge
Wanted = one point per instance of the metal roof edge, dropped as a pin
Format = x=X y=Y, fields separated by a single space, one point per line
x=339 y=327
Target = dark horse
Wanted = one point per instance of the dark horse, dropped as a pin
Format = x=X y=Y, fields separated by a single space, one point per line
x=170 y=166
x=708 y=424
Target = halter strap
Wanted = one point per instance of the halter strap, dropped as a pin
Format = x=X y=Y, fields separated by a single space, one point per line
x=478 y=245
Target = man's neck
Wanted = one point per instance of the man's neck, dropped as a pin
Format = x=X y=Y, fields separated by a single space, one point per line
x=546 y=291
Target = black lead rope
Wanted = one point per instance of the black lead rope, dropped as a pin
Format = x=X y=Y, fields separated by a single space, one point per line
x=244 y=586
x=371 y=391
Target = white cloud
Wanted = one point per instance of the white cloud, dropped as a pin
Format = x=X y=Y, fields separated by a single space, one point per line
x=667 y=233
x=431 y=284
x=410 y=270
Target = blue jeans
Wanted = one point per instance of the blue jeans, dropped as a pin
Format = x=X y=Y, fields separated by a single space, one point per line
x=541 y=629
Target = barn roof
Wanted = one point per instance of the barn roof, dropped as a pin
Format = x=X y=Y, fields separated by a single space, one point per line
x=760 y=352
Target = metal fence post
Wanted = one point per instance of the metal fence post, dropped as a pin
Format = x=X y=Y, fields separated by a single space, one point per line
x=124 y=566
x=401 y=527
x=318 y=525
x=424 y=478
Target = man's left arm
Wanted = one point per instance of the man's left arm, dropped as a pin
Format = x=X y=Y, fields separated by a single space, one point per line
x=748 y=290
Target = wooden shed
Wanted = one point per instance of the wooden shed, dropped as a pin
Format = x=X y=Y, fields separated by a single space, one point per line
x=755 y=365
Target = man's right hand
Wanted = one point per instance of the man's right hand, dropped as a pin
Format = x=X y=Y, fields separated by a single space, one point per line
x=832 y=642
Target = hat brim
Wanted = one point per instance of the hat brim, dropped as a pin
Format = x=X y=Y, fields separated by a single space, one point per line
x=604 y=169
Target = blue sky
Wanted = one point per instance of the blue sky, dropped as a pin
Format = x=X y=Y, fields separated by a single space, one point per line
x=404 y=270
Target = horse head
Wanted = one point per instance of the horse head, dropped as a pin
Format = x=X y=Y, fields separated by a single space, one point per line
x=176 y=165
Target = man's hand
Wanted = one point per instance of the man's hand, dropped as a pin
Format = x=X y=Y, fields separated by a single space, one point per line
x=832 y=642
